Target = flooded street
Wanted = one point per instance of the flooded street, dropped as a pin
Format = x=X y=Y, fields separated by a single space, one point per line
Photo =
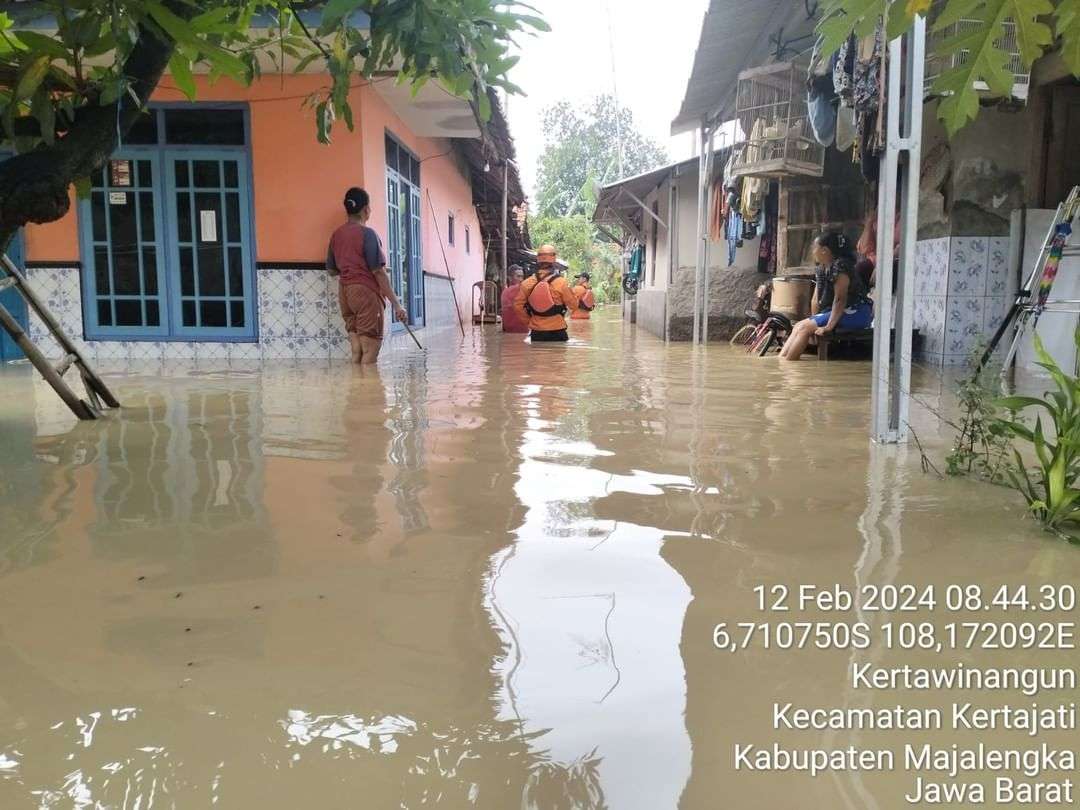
x=477 y=577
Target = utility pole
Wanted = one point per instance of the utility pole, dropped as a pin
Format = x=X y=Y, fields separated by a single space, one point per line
x=505 y=220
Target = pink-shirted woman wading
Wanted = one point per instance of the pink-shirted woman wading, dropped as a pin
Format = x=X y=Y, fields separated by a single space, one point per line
x=356 y=257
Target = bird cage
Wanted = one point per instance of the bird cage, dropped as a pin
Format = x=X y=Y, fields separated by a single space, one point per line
x=777 y=140
x=936 y=63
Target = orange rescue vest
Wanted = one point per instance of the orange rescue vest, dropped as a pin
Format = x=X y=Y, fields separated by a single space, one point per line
x=541 y=302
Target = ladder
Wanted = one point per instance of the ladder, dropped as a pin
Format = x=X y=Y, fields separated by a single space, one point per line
x=99 y=397
x=1027 y=309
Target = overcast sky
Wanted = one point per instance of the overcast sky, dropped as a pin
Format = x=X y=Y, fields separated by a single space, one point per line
x=653 y=48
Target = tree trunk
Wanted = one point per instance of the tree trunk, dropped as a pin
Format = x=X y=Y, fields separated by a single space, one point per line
x=34 y=186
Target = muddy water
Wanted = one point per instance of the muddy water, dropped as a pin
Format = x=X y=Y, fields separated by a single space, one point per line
x=485 y=577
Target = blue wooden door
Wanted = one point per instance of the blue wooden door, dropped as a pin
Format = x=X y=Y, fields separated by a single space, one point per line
x=13 y=302
x=395 y=247
x=211 y=263
x=415 y=270
x=122 y=235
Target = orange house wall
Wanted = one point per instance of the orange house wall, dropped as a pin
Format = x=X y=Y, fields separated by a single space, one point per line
x=440 y=177
x=298 y=183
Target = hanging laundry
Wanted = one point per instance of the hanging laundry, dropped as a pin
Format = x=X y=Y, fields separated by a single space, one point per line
x=717 y=211
x=734 y=235
x=868 y=85
x=821 y=101
x=843 y=69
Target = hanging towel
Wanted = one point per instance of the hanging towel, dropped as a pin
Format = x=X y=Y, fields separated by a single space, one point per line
x=716 y=211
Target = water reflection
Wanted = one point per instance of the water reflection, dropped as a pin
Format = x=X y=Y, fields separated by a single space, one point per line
x=482 y=577
x=590 y=613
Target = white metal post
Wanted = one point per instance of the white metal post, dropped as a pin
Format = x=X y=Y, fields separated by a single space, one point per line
x=892 y=374
x=699 y=270
x=705 y=239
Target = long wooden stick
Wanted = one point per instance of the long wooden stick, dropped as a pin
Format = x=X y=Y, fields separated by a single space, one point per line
x=412 y=335
x=449 y=276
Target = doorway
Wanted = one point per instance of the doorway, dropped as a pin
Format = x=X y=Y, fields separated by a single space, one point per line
x=404 y=212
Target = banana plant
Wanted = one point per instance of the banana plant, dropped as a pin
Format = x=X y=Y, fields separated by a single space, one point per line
x=1050 y=488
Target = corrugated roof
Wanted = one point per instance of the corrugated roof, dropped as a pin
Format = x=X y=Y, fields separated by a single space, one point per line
x=616 y=206
x=734 y=36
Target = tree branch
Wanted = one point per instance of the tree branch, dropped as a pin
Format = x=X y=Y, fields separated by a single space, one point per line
x=34 y=186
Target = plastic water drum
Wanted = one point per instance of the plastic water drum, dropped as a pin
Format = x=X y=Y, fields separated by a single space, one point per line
x=791 y=296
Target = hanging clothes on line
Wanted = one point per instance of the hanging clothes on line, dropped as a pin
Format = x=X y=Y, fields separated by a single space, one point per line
x=717 y=211
x=734 y=235
x=868 y=84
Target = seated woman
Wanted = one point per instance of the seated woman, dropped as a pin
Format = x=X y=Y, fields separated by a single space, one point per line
x=839 y=295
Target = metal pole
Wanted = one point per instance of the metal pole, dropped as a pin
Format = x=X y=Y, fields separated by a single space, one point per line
x=505 y=222
x=705 y=240
x=892 y=373
x=700 y=269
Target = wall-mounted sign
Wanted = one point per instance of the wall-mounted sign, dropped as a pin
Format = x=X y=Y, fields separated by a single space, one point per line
x=208 y=225
x=117 y=198
x=120 y=172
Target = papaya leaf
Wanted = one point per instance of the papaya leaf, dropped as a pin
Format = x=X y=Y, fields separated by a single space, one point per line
x=1032 y=35
x=1067 y=27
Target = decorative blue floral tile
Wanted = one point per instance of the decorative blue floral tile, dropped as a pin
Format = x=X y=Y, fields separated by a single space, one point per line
x=963 y=324
x=999 y=280
x=968 y=265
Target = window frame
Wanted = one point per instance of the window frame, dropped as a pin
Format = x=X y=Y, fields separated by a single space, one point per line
x=158 y=153
x=468 y=241
x=450 y=222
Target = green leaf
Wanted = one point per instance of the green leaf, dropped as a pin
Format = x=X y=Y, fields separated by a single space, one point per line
x=227 y=63
x=985 y=62
x=42 y=44
x=1032 y=35
x=41 y=108
x=30 y=76
x=180 y=69
x=334 y=12
x=843 y=17
x=1018 y=403
x=1067 y=26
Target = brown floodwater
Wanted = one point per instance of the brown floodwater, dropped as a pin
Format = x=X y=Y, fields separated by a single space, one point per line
x=483 y=576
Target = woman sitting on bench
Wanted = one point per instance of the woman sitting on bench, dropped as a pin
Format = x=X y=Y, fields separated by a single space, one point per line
x=839 y=295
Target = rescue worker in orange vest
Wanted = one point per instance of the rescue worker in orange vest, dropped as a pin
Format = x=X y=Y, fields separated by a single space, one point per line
x=586 y=301
x=544 y=299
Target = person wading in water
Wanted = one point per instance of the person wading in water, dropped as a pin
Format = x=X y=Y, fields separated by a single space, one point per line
x=544 y=299
x=586 y=300
x=356 y=257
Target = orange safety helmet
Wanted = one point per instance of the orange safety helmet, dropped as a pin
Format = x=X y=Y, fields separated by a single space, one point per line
x=546 y=250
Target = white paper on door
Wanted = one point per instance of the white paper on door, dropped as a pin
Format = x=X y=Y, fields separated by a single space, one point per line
x=208 y=225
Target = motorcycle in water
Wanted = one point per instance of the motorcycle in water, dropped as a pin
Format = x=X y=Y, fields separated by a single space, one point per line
x=632 y=278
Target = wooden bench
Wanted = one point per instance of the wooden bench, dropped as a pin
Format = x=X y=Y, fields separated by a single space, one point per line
x=844 y=336
x=852 y=337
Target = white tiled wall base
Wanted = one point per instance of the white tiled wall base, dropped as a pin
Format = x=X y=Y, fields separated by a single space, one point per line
x=298 y=320
x=963 y=289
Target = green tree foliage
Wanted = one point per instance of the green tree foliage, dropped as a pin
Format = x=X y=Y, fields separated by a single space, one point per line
x=70 y=88
x=582 y=149
x=1038 y=24
x=581 y=247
